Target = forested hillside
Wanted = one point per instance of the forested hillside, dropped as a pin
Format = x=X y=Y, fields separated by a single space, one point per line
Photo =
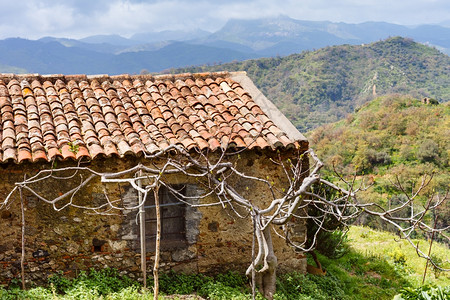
x=317 y=87
x=390 y=136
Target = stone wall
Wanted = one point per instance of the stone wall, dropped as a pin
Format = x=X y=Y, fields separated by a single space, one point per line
x=72 y=240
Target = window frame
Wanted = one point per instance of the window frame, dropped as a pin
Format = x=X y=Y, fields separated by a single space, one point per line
x=167 y=201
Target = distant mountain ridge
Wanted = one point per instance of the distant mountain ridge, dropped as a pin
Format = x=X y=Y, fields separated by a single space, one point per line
x=54 y=58
x=265 y=34
x=237 y=40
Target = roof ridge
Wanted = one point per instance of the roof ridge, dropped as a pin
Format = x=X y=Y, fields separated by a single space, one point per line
x=76 y=77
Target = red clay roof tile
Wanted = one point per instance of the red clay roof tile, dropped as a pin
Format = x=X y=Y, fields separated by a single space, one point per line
x=67 y=152
x=39 y=155
x=9 y=154
x=69 y=117
x=82 y=152
x=53 y=153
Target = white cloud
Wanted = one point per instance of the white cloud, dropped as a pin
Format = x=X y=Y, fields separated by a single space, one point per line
x=79 y=18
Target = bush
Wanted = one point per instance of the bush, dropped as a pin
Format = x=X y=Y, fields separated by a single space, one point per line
x=105 y=281
x=223 y=286
x=438 y=263
x=60 y=283
x=175 y=283
x=300 y=286
x=220 y=291
x=232 y=279
x=428 y=151
x=398 y=256
x=12 y=294
x=378 y=158
x=332 y=244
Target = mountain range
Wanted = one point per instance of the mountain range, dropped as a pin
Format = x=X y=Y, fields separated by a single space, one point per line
x=237 y=40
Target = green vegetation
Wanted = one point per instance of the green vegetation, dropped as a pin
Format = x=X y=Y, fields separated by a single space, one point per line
x=390 y=136
x=318 y=87
x=374 y=267
x=400 y=255
x=105 y=282
x=424 y=293
x=388 y=132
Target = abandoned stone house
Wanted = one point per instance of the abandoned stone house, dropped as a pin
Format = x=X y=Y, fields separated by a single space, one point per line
x=108 y=123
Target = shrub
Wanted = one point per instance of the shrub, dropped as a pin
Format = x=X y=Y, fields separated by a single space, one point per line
x=220 y=291
x=60 y=283
x=438 y=264
x=378 y=158
x=178 y=283
x=428 y=151
x=398 y=256
x=223 y=286
x=300 y=286
x=12 y=294
x=104 y=282
x=232 y=279
x=332 y=244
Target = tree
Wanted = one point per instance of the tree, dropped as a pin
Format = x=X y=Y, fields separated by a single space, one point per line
x=306 y=196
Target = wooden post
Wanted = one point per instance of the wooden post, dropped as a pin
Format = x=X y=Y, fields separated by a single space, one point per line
x=142 y=233
x=158 y=239
x=429 y=250
x=253 y=259
x=22 y=257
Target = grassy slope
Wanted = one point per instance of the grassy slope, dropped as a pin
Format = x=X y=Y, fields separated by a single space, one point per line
x=374 y=267
x=317 y=87
x=388 y=246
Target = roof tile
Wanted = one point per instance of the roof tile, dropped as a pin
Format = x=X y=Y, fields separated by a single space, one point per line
x=41 y=117
x=67 y=152
x=39 y=155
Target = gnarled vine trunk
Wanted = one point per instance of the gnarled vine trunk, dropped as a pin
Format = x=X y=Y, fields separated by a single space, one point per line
x=266 y=280
x=265 y=264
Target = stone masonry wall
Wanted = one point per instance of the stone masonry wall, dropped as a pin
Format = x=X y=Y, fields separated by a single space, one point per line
x=72 y=240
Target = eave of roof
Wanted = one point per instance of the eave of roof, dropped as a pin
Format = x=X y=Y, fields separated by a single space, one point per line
x=47 y=117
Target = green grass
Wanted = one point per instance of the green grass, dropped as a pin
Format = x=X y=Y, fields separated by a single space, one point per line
x=400 y=254
x=378 y=266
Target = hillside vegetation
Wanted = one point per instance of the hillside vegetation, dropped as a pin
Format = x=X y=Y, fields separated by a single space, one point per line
x=390 y=136
x=318 y=87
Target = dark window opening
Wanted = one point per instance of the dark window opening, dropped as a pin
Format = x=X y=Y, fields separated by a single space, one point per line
x=173 y=218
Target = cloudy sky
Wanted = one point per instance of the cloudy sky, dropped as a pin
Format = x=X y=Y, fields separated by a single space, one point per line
x=80 y=18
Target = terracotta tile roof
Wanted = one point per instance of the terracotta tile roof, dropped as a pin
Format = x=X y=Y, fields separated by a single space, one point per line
x=74 y=116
